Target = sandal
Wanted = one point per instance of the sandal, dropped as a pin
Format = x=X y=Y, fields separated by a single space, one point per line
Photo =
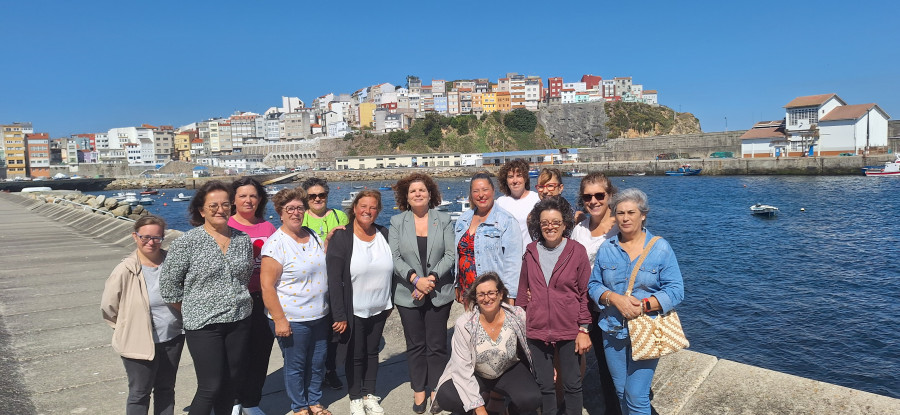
x=319 y=410
x=304 y=411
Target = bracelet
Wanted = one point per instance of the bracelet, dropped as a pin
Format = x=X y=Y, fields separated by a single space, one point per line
x=608 y=294
x=415 y=281
x=582 y=330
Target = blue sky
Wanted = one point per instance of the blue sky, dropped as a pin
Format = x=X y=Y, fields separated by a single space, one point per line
x=81 y=67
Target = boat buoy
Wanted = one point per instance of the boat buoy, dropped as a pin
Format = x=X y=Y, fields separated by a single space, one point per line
x=165 y=204
x=270 y=216
x=803 y=209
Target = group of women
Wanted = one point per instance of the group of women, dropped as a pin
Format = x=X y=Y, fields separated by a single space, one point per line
x=541 y=285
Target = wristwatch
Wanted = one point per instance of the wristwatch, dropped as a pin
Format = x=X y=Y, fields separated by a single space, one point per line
x=646 y=303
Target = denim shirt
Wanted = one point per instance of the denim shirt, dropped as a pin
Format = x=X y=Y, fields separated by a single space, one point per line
x=498 y=245
x=659 y=276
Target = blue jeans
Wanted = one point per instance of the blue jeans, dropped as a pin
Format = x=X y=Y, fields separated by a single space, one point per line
x=304 y=361
x=631 y=378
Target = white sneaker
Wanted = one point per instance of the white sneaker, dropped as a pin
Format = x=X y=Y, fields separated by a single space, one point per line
x=253 y=410
x=370 y=402
x=236 y=410
x=356 y=407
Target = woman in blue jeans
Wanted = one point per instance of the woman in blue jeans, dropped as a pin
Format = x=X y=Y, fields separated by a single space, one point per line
x=295 y=292
x=658 y=288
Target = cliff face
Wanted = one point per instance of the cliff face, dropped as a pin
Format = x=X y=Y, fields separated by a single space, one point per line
x=575 y=125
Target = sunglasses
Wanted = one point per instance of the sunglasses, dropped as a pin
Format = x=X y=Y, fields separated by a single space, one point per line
x=599 y=196
x=323 y=195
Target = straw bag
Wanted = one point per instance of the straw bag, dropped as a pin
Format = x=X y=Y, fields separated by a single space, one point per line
x=652 y=338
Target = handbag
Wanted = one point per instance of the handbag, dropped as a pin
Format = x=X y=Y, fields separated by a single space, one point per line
x=652 y=338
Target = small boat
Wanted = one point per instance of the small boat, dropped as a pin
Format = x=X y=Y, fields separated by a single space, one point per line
x=444 y=205
x=385 y=188
x=36 y=189
x=760 y=209
x=148 y=192
x=637 y=174
x=576 y=173
x=349 y=200
x=359 y=187
x=145 y=201
x=683 y=170
x=890 y=168
x=181 y=198
x=133 y=200
x=271 y=191
x=533 y=173
x=463 y=206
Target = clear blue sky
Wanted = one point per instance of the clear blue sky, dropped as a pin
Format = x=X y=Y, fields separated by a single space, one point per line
x=80 y=67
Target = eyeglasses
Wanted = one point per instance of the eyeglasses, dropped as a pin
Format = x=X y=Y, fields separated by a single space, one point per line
x=599 y=196
x=214 y=207
x=147 y=238
x=323 y=195
x=290 y=210
x=550 y=186
x=486 y=294
x=551 y=223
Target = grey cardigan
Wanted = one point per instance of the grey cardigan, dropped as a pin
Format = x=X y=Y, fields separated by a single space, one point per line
x=441 y=258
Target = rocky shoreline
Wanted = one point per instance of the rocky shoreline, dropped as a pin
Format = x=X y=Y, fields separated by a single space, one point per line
x=101 y=204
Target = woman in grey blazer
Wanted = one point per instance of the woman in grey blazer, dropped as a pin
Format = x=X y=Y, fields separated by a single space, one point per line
x=421 y=240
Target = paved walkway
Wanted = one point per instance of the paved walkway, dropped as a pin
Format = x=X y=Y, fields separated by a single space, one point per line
x=55 y=356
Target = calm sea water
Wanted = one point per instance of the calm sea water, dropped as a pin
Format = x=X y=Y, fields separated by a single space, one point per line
x=813 y=293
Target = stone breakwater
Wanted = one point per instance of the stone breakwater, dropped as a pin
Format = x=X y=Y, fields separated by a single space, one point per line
x=101 y=205
x=122 y=184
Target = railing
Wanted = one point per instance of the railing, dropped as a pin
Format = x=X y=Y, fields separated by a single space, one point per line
x=87 y=208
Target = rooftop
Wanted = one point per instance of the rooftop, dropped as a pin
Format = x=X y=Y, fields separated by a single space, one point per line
x=812 y=100
x=764 y=132
x=848 y=112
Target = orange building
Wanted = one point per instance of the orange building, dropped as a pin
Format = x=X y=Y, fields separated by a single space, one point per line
x=503 y=101
x=37 y=154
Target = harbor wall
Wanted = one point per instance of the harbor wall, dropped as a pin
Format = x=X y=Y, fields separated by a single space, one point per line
x=699 y=145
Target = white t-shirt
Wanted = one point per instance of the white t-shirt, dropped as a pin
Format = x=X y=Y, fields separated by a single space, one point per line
x=303 y=286
x=371 y=270
x=582 y=234
x=520 y=208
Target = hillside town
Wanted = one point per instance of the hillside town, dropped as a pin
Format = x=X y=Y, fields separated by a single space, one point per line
x=292 y=134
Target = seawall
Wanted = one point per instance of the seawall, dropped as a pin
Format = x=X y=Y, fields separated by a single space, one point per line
x=56 y=260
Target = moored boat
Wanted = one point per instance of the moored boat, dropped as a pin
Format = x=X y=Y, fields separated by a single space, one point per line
x=148 y=191
x=683 y=170
x=349 y=200
x=760 y=209
x=181 y=198
x=890 y=168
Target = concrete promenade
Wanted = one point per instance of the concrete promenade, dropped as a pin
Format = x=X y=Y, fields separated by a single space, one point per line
x=55 y=356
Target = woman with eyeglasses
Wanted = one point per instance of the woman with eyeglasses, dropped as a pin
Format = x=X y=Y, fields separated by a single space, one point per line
x=360 y=276
x=555 y=271
x=148 y=333
x=422 y=246
x=487 y=238
x=549 y=183
x=295 y=290
x=490 y=353
x=595 y=192
x=658 y=288
x=205 y=276
x=250 y=206
x=323 y=221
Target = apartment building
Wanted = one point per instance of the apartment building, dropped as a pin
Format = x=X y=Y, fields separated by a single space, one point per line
x=14 y=148
x=37 y=154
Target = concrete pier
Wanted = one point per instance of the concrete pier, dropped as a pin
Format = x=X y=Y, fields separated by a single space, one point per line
x=55 y=356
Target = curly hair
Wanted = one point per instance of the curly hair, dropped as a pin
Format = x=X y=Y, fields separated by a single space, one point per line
x=556 y=203
x=285 y=196
x=472 y=294
x=195 y=209
x=260 y=192
x=315 y=181
x=513 y=166
x=595 y=177
x=351 y=215
x=401 y=190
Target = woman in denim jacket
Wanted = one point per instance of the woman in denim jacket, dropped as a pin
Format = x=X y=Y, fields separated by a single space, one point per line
x=487 y=238
x=658 y=288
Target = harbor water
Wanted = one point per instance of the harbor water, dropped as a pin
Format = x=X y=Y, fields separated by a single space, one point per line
x=811 y=292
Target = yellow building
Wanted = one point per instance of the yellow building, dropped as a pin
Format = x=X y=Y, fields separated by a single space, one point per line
x=366 y=114
x=183 y=144
x=14 y=148
x=489 y=101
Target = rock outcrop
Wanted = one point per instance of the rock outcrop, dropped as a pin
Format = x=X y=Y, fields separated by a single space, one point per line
x=575 y=125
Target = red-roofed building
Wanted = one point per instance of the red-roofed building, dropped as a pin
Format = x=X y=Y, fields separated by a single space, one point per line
x=591 y=81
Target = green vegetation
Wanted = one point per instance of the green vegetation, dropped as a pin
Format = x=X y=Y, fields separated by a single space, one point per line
x=639 y=118
x=520 y=120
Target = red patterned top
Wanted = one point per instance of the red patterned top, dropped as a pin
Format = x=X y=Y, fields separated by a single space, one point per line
x=466 y=253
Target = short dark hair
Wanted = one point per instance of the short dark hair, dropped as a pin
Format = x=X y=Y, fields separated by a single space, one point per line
x=595 y=177
x=149 y=220
x=195 y=209
x=557 y=203
x=315 y=181
x=260 y=191
x=482 y=175
x=285 y=196
x=472 y=294
x=351 y=215
x=401 y=189
x=513 y=166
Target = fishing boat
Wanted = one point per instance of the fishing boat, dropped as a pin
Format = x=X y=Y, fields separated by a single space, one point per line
x=683 y=170
x=148 y=192
x=181 y=198
x=463 y=206
x=349 y=200
x=576 y=173
x=760 y=209
x=890 y=168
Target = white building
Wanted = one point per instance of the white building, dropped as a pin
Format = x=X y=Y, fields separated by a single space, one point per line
x=577 y=86
x=338 y=129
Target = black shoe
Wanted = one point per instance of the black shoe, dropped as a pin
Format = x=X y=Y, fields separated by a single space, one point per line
x=332 y=380
x=419 y=408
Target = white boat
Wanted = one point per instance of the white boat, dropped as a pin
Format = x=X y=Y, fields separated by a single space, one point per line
x=36 y=189
x=145 y=201
x=181 y=198
x=760 y=209
x=463 y=206
x=349 y=200
x=445 y=205
x=890 y=168
x=133 y=200
x=576 y=173
x=271 y=191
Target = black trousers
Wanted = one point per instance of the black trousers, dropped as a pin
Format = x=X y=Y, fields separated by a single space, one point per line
x=517 y=383
x=569 y=375
x=156 y=376
x=256 y=362
x=425 y=329
x=362 y=354
x=608 y=398
x=217 y=350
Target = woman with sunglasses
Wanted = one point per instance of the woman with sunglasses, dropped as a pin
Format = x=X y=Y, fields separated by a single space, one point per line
x=549 y=183
x=323 y=221
x=295 y=291
x=250 y=206
x=595 y=192
x=555 y=270
x=205 y=276
x=148 y=333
